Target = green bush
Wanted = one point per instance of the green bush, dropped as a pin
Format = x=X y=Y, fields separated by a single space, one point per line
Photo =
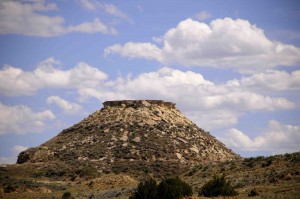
x=146 y=190
x=66 y=195
x=87 y=171
x=174 y=188
x=218 y=186
x=55 y=173
x=252 y=193
x=171 y=188
x=9 y=189
x=194 y=170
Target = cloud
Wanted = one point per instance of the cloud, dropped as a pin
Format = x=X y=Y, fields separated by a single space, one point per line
x=68 y=107
x=21 y=119
x=13 y=158
x=213 y=119
x=108 y=8
x=224 y=43
x=196 y=96
x=16 y=82
x=89 y=5
x=92 y=27
x=193 y=90
x=203 y=15
x=135 y=50
x=273 y=80
x=277 y=138
x=27 y=18
x=240 y=100
x=208 y=104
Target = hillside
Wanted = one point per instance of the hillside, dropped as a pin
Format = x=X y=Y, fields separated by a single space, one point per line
x=135 y=137
x=272 y=177
x=108 y=153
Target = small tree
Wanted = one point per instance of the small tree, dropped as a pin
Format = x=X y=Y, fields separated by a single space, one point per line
x=66 y=195
x=171 y=188
x=9 y=189
x=218 y=186
x=146 y=190
x=252 y=193
x=174 y=188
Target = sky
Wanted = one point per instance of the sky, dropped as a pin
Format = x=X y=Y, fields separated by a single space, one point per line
x=232 y=67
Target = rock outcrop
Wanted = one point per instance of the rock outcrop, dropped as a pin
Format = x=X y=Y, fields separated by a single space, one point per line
x=133 y=136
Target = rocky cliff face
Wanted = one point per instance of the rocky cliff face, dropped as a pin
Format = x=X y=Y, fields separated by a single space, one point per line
x=133 y=136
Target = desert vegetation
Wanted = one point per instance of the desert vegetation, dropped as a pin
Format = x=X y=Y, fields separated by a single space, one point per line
x=267 y=177
x=170 y=188
x=218 y=186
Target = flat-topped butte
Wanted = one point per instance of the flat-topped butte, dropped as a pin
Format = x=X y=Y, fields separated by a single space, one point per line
x=137 y=137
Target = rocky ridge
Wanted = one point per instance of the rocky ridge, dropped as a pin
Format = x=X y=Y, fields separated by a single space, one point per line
x=133 y=136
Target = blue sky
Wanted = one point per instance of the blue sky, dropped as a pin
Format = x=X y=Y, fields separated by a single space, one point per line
x=232 y=67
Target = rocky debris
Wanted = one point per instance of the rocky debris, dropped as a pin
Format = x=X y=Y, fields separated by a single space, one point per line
x=148 y=136
x=137 y=103
x=25 y=156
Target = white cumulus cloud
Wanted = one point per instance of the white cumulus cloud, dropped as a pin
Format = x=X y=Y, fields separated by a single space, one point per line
x=92 y=27
x=135 y=50
x=208 y=104
x=68 y=107
x=29 y=18
x=224 y=43
x=15 y=82
x=277 y=138
x=272 y=80
x=21 y=119
x=192 y=90
x=196 y=96
x=213 y=119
